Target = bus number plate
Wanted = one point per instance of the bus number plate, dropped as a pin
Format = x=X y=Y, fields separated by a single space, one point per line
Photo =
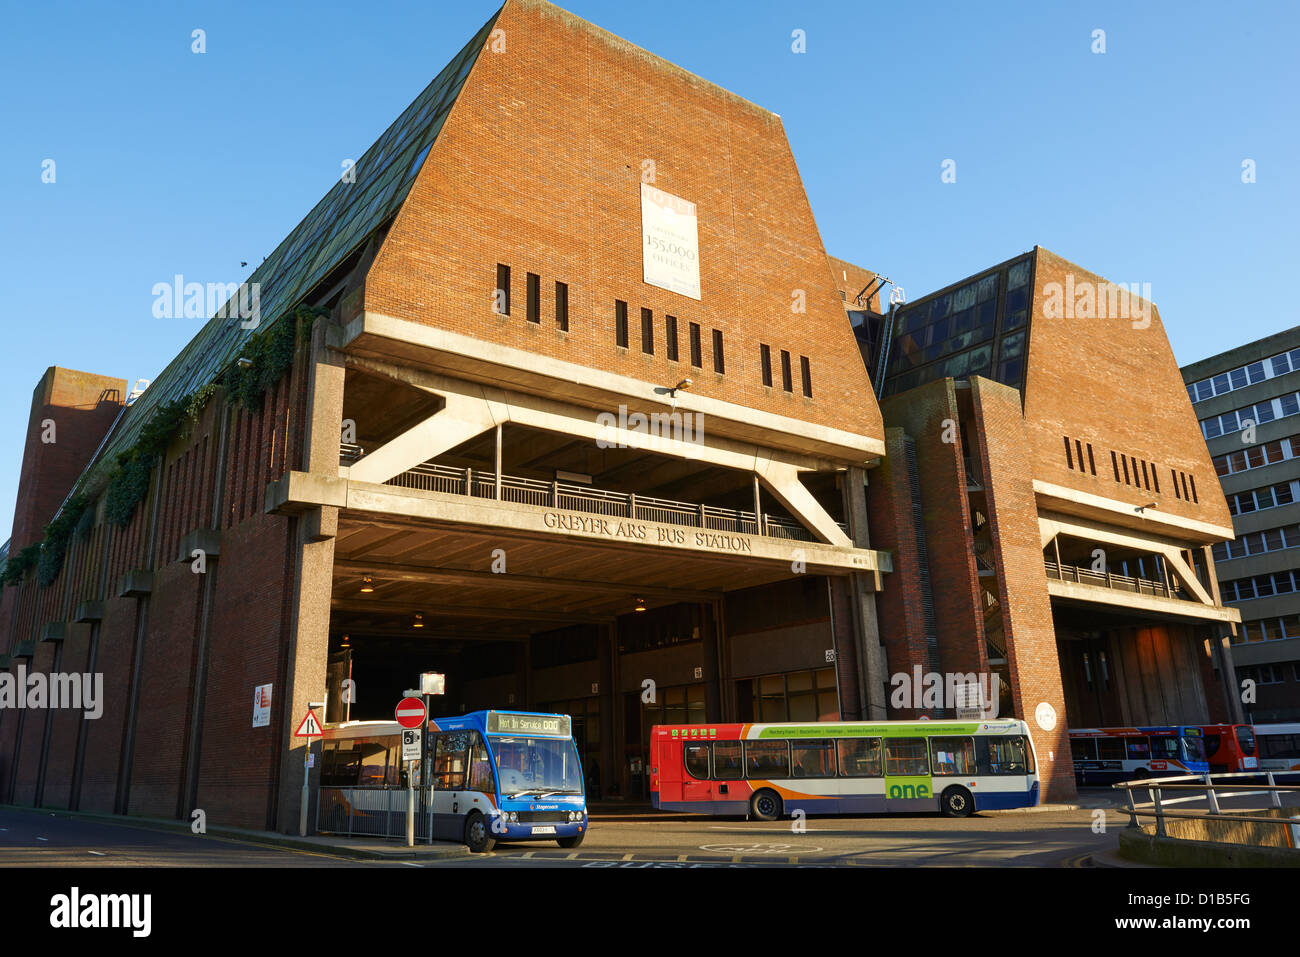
x=543 y=830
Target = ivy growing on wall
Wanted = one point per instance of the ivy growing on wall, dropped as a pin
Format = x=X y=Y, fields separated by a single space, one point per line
x=17 y=566
x=57 y=535
x=269 y=356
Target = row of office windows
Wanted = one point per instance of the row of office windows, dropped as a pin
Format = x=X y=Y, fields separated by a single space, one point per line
x=1257 y=456
x=1257 y=543
x=1273 y=674
x=1258 y=499
x=1128 y=469
x=1258 y=586
x=856 y=758
x=787 y=374
x=533 y=298
x=1267 y=629
x=694 y=342
x=1238 y=419
x=1242 y=376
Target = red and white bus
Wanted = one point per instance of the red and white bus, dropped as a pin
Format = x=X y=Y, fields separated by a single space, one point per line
x=1107 y=755
x=1279 y=747
x=843 y=767
x=1230 y=747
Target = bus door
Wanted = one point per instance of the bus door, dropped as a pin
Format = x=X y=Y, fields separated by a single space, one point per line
x=907 y=775
x=696 y=785
x=450 y=791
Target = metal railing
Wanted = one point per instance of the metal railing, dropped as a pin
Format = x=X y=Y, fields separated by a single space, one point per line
x=477 y=483
x=363 y=811
x=1107 y=579
x=1205 y=787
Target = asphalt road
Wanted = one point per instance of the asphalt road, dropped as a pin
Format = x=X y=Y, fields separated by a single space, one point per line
x=1038 y=839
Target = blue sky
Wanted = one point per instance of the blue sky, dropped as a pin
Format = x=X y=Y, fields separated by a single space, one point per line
x=1128 y=162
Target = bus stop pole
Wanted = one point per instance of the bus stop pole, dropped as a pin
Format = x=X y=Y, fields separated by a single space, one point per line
x=410 y=805
x=306 y=775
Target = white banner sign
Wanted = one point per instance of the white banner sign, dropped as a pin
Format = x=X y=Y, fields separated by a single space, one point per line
x=262 y=706
x=670 y=243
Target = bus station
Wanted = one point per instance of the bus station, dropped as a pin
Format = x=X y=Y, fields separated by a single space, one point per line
x=607 y=435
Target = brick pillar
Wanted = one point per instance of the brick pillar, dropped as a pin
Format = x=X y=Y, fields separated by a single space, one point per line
x=1032 y=658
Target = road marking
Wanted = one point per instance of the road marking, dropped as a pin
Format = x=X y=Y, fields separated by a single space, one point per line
x=570 y=857
x=776 y=830
x=681 y=857
x=97 y=853
x=42 y=839
x=627 y=857
x=409 y=863
x=528 y=854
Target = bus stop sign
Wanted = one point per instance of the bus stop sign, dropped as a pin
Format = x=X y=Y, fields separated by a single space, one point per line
x=411 y=713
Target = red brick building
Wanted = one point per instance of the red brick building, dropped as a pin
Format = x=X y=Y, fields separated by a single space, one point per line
x=513 y=411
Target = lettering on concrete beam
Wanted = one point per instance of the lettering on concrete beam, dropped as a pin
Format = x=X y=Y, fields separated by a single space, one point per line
x=632 y=531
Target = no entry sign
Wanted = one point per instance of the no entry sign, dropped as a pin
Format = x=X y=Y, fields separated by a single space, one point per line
x=410 y=713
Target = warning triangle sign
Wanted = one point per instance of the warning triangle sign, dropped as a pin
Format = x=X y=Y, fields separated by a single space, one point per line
x=310 y=727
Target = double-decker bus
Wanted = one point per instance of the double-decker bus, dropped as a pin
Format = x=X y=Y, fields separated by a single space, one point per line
x=1106 y=755
x=1279 y=747
x=843 y=767
x=1230 y=747
x=488 y=776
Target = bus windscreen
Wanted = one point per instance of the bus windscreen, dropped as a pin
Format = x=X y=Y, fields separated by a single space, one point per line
x=537 y=766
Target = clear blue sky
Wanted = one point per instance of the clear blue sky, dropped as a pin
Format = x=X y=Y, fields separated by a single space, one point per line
x=1127 y=162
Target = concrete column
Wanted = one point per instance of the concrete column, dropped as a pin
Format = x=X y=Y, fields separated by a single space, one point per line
x=607 y=698
x=313 y=579
x=871 y=666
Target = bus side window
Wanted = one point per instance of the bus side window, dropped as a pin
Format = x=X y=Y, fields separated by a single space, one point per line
x=727 y=764
x=697 y=760
x=1083 y=749
x=1110 y=749
x=480 y=767
x=449 y=761
x=1137 y=748
x=859 y=757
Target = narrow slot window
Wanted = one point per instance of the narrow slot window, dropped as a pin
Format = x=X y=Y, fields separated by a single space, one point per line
x=697 y=358
x=719 y=364
x=765 y=362
x=562 y=306
x=805 y=372
x=1092 y=464
x=1069 y=457
x=787 y=382
x=501 y=297
x=670 y=336
x=647 y=332
x=620 y=323
x=534 y=305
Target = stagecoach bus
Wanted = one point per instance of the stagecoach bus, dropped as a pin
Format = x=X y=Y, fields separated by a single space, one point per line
x=843 y=767
x=1107 y=755
x=1230 y=747
x=491 y=776
x=1279 y=747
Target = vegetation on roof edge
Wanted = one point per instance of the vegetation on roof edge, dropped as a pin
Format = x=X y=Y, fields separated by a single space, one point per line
x=270 y=356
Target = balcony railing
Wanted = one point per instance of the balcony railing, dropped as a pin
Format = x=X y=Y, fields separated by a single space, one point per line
x=478 y=483
x=1139 y=586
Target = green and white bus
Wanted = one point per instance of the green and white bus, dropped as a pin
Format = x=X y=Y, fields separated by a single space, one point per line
x=843 y=767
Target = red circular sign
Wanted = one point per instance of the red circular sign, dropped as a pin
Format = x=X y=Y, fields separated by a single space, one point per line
x=411 y=713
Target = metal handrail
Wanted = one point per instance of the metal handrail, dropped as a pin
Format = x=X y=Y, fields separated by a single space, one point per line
x=432 y=477
x=1084 y=576
x=1208 y=788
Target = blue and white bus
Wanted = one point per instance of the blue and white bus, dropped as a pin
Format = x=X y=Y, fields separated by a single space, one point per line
x=504 y=776
x=1107 y=755
x=487 y=776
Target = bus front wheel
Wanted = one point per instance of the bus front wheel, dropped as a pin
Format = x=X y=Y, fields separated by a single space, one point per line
x=477 y=836
x=956 y=802
x=765 y=805
x=573 y=841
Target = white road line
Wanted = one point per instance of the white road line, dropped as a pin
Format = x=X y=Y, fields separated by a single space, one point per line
x=42 y=839
x=778 y=830
x=97 y=853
